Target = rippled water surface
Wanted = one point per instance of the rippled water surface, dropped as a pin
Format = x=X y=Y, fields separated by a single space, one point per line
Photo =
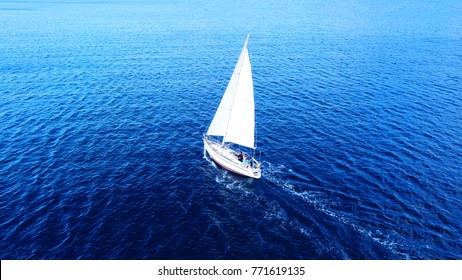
x=359 y=126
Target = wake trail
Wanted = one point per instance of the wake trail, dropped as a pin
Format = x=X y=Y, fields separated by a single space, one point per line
x=319 y=200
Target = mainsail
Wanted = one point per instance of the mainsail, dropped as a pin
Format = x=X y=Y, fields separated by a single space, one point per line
x=235 y=116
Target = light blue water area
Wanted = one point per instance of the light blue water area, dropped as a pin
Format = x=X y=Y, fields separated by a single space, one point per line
x=359 y=126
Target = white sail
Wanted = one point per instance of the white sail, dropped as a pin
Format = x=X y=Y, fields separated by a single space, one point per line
x=235 y=116
x=234 y=121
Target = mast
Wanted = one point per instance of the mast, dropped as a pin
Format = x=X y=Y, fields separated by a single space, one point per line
x=237 y=83
x=234 y=119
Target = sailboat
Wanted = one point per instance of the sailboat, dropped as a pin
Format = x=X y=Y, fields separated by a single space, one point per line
x=231 y=134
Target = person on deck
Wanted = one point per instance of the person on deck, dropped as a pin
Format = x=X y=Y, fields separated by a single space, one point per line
x=240 y=157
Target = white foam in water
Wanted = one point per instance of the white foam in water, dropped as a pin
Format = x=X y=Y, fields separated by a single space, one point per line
x=319 y=202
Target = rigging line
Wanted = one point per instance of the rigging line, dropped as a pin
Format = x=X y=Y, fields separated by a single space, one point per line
x=256 y=135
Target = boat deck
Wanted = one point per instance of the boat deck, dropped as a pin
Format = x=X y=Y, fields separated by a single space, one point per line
x=227 y=158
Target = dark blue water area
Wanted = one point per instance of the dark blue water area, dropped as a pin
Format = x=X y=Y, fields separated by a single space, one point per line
x=358 y=119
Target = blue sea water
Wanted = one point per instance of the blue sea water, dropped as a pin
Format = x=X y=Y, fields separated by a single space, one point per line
x=358 y=118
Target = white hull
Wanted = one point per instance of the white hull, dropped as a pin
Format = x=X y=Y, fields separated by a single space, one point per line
x=225 y=158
